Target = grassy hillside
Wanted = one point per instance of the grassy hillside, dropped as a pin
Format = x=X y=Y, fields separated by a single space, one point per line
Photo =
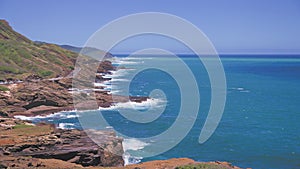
x=20 y=57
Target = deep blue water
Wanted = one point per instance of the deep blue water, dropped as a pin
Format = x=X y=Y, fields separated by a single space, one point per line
x=260 y=127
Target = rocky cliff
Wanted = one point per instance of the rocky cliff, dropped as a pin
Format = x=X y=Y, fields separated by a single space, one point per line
x=39 y=94
x=20 y=140
x=51 y=96
x=23 y=145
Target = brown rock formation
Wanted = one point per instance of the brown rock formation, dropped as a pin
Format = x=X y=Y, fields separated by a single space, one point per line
x=41 y=97
x=105 y=67
x=45 y=142
x=27 y=97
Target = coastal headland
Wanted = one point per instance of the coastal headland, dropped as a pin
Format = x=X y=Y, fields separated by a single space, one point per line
x=36 y=80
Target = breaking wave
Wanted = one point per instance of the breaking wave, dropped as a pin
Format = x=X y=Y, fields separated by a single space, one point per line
x=132 y=144
x=59 y=115
x=145 y=105
x=66 y=126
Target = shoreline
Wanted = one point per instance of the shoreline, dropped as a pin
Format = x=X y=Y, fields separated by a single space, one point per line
x=36 y=152
x=46 y=110
x=43 y=106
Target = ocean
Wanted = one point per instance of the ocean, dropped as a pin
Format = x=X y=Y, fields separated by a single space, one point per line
x=260 y=126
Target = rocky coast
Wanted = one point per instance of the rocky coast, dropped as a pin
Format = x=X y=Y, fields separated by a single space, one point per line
x=24 y=145
x=36 y=80
x=21 y=140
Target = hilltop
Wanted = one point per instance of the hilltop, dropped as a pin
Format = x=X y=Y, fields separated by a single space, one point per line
x=21 y=57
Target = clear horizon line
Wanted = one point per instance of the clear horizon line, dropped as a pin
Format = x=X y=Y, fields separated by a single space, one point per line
x=219 y=53
x=114 y=53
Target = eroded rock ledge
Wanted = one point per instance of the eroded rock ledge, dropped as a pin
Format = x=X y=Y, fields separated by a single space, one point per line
x=46 y=96
x=20 y=140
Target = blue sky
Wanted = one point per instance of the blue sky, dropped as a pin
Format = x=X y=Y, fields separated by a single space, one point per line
x=233 y=26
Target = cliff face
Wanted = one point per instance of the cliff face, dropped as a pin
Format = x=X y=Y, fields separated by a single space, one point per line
x=30 y=96
x=23 y=145
x=35 y=63
x=19 y=139
x=50 y=96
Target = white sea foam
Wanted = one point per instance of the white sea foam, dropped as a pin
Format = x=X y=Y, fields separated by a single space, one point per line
x=113 y=91
x=140 y=106
x=240 y=89
x=23 y=117
x=149 y=103
x=128 y=159
x=107 y=108
x=131 y=58
x=72 y=116
x=66 y=125
x=100 y=85
x=119 y=80
x=117 y=73
x=37 y=117
x=125 y=62
x=105 y=86
x=115 y=78
x=61 y=115
x=128 y=60
x=109 y=127
x=132 y=144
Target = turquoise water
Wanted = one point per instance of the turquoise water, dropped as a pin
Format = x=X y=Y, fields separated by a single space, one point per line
x=260 y=127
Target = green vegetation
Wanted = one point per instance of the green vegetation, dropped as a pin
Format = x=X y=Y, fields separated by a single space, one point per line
x=3 y=88
x=21 y=57
x=201 y=166
x=8 y=69
x=45 y=73
x=21 y=126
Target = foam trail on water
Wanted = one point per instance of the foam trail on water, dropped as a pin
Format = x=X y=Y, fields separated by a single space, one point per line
x=240 y=89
